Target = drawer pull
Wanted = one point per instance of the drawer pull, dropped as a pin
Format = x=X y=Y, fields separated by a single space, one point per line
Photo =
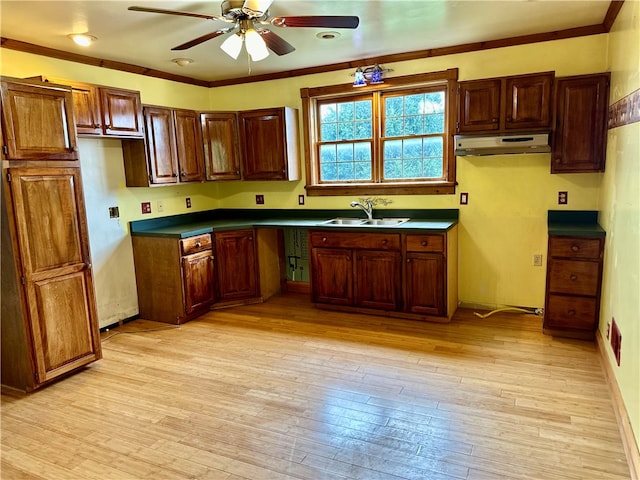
x=573 y=277
x=575 y=248
x=424 y=243
x=571 y=313
x=385 y=241
x=324 y=239
x=198 y=244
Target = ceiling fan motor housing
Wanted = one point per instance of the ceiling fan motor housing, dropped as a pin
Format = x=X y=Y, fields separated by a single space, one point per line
x=233 y=10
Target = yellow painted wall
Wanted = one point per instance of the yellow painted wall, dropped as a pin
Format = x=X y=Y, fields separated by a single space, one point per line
x=620 y=215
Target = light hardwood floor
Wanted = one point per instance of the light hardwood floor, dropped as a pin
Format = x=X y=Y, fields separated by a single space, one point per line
x=284 y=391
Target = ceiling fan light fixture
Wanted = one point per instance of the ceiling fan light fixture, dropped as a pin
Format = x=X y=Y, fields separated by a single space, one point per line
x=82 y=39
x=256 y=45
x=232 y=45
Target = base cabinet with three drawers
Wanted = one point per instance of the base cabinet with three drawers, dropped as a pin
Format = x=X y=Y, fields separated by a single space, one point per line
x=574 y=282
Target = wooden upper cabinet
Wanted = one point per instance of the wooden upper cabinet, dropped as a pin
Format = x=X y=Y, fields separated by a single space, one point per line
x=37 y=121
x=221 y=145
x=528 y=102
x=113 y=112
x=505 y=104
x=188 y=145
x=479 y=106
x=161 y=145
x=121 y=112
x=270 y=144
x=580 y=135
x=170 y=153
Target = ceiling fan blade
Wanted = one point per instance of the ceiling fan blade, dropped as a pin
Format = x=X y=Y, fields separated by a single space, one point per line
x=323 y=21
x=175 y=12
x=256 y=8
x=276 y=43
x=199 y=40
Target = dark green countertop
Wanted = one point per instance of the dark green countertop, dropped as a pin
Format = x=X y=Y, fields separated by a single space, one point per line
x=190 y=224
x=574 y=223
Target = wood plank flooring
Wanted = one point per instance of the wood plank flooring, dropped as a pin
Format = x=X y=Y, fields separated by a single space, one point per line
x=284 y=391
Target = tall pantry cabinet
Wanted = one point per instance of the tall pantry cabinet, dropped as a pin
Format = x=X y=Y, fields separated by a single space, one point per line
x=49 y=320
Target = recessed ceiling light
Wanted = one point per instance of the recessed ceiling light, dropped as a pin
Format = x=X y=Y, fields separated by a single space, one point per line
x=328 y=35
x=183 y=62
x=82 y=39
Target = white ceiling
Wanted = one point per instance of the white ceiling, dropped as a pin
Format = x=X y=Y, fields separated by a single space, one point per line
x=386 y=27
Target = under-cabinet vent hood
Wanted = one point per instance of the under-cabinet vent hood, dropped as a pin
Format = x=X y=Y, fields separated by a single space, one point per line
x=502 y=144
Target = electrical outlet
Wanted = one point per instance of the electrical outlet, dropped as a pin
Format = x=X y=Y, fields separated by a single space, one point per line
x=114 y=212
x=537 y=260
x=259 y=199
x=464 y=198
x=563 y=198
x=300 y=199
x=160 y=206
x=146 y=207
x=187 y=201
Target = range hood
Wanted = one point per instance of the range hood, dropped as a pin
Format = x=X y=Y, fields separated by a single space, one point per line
x=502 y=144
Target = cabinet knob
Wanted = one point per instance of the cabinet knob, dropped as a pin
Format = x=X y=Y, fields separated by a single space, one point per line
x=571 y=313
x=557 y=160
x=324 y=239
x=575 y=248
x=573 y=277
x=198 y=244
x=424 y=243
x=385 y=241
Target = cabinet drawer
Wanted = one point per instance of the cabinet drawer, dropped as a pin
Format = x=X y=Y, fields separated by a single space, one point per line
x=376 y=241
x=425 y=243
x=574 y=277
x=575 y=247
x=570 y=312
x=195 y=244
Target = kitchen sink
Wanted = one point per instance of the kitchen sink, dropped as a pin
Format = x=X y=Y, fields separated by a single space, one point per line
x=378 y=222
x=345 y=221
x=385 y=222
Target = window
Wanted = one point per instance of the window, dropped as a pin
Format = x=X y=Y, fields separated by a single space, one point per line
x=392 y=138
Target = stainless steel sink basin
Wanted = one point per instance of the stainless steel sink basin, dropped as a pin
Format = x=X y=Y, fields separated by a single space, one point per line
x=345 y=221
x=378 y=222
x=385 y=222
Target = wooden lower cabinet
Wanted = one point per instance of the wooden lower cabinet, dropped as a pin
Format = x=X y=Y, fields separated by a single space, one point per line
x=237 y=265
x=352 y=270
x=175 y=277
x=49 y=318
x=574 y=282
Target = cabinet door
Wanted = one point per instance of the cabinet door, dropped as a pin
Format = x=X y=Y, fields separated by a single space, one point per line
x=198 y=280
x=332 y=275
x=161 y=145
x=189 y=146
x=479 y=106
x=37 y=122
x=237 y=271
x=86 y=108
x=528 y=102
x=121 y=112
x=579 y=141
x=221 y=145
x=377 y=279
x=263 y=145
x=425 y=282
x=54 y=252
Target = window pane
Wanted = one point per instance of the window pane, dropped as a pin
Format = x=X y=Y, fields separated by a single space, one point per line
x=363 y=130
x=346 y=131
x=328 y=113
x=329 y=172
x=412 y=148
x=393 y=169
x=363 y=110
x=362 y=152
x=393 y=127
x=393 y=106
x=346 y=112
x=363 y=171
x=327 y=153
x=345 y=152
x=413 y=104
x=392 y=149
x=434 y=123
x=328 y=132
x=413 y=125
x=345 y=171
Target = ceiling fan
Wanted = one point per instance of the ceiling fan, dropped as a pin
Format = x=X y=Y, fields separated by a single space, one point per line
x=247 y=18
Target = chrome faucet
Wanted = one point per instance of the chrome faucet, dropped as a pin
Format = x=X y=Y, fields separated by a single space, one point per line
x=366 y=204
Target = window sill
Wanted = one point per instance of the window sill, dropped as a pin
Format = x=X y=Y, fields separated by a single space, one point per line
x=441 y=188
